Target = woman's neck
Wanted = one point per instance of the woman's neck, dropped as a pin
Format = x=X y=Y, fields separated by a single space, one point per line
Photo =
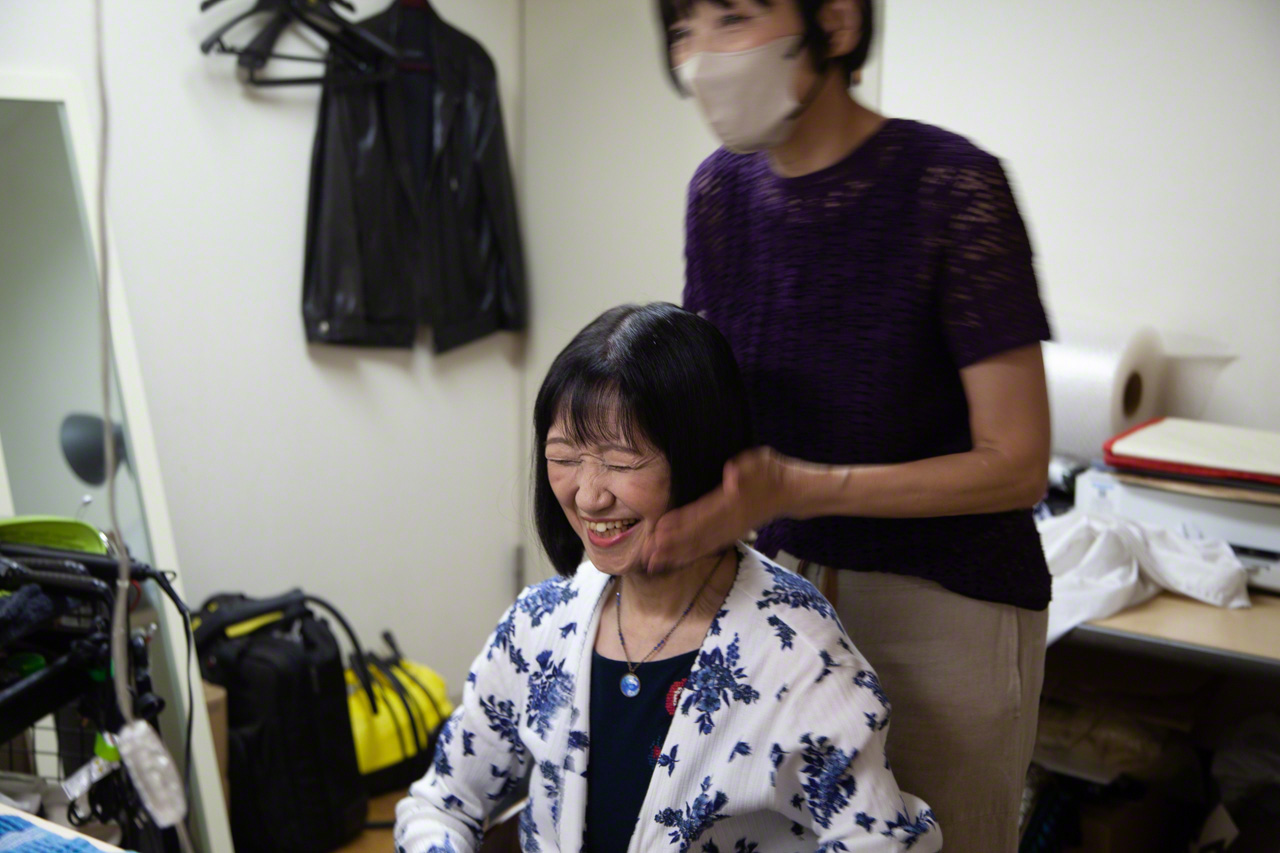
x=827 y=131
x=664 y=597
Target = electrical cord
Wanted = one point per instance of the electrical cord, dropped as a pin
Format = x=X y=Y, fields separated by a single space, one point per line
x=164 y=581
x=151 y=765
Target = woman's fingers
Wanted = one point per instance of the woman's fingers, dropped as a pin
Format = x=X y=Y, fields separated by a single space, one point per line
x=695 y=530
x=722 y=516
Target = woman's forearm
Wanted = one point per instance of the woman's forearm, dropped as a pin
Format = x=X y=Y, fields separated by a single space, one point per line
x=982 y=480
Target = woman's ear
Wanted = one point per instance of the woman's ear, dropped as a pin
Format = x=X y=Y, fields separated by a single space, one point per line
x=842 y=22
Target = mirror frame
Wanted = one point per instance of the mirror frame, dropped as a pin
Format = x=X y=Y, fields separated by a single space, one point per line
x=211 y=829
x=6 y=496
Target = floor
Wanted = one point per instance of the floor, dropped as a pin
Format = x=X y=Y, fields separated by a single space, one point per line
x=377 y=840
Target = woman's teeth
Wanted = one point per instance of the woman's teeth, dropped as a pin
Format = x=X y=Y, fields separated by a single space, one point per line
x=606 y=526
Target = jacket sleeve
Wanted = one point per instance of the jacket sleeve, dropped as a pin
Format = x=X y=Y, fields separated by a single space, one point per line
x=500 y=203
x=830 y=770
x=479 y=759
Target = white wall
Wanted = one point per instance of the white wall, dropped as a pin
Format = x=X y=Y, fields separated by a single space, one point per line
x=1142 y=140
x=387 y=482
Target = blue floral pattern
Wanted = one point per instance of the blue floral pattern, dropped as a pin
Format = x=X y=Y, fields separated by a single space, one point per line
x=441 y=759
x=504 y=639
x=740 y=748
x=828 y=784
x=528 y=829
x=552 y=784
x=542 y=600
x=716 y=682
x=909 y=829
x=577 y=741
x=776 y=756
x=714 y=629
x=504 y=720
x=688 y=824
x=785 y=632
x=550 y=689
x=509 y=784
x=828 y=664
x=447 y=847
x=871 y=681
x=876 y=722
x=791 y=590
x=668 y=760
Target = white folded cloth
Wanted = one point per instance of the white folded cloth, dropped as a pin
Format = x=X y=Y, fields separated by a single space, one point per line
x=1102 y=565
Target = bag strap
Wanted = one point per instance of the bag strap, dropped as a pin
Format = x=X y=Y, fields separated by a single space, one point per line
x=362 y=671
x=221 y=612
x=398 y=661
x=419 y=743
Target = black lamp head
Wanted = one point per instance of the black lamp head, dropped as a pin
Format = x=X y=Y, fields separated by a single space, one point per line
x=85 y=449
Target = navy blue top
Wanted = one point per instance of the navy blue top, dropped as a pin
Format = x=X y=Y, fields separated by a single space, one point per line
x=626 y=742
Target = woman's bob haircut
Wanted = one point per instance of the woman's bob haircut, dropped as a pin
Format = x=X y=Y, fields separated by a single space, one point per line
x=655 y=377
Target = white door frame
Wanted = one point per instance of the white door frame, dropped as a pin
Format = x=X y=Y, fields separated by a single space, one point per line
x=6 y=496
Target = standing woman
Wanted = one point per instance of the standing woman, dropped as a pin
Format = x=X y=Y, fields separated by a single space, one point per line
x=875 y=281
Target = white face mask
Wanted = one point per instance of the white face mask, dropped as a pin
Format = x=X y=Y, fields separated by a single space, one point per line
x=747 y=96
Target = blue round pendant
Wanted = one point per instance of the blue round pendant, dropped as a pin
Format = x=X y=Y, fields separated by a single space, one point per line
x=630 y=685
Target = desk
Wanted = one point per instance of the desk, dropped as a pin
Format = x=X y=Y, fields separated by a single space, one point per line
x=57 y=830
x=1180 y=629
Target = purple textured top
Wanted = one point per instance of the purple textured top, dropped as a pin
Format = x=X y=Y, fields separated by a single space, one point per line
x=852 y=297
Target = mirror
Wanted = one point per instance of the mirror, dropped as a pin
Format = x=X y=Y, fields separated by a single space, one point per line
x=51 y=440
x=50 y=397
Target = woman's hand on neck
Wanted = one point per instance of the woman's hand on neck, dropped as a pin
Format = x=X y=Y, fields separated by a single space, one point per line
x=826 y=132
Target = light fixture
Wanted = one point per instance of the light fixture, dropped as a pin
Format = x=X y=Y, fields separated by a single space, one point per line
x=85 y=450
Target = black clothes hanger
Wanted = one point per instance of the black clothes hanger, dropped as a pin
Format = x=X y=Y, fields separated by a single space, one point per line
x=355 y=55
x=214 y=40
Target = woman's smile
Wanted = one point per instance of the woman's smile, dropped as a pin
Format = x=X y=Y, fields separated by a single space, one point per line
x=605 y=533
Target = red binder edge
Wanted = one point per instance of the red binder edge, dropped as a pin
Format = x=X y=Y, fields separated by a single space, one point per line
x=1134 y=463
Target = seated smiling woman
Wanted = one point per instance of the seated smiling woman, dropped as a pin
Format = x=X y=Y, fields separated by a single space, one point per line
x=705 y=707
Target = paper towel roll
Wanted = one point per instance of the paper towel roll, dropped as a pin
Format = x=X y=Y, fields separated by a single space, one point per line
x=1101 y=385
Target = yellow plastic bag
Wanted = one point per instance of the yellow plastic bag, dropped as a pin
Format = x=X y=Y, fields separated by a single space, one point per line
x=394 y=746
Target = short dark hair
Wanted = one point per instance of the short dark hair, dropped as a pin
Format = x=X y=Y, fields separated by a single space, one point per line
x=672 y=380
x=815 y=37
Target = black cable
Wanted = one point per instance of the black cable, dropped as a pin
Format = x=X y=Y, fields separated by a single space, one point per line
x=162 y=579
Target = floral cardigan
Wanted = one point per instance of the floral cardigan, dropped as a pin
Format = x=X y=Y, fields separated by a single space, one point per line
x=777 y=744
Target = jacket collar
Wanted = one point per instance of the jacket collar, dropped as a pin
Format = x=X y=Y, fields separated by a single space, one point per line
x=734 y=618
x=450 y=78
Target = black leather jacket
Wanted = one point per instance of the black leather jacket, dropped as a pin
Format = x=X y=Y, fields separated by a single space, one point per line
x=412 y=215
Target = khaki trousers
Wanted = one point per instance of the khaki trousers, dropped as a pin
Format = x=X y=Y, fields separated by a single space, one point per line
x=963 y=678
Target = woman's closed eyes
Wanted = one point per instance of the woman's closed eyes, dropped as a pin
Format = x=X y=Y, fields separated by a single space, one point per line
x=573 y=462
